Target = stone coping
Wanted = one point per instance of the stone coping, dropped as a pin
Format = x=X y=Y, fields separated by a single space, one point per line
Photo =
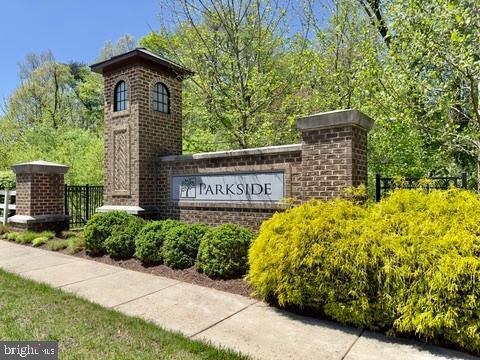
x=133 y=210
x=269 y=150
x=34 y=219
x=39 y=167
x=330 y=119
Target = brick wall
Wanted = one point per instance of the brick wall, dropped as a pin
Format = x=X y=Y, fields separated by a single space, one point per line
x=23 y=191
x=143 y=151
x=47 y=194
x=40 y=197
x=40 y=194
x=333 y=159
x=329 y=159
x=359 y=156
x=135 y=137
x=55 y=226
x=250 y=215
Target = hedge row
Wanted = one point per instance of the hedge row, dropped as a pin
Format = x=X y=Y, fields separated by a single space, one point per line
x=220 y=252
x=409 y=264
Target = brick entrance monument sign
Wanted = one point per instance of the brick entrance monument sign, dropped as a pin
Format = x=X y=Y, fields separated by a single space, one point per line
x=147 y=175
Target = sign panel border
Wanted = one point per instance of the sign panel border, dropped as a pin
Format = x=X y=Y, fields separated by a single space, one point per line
x=194 y=200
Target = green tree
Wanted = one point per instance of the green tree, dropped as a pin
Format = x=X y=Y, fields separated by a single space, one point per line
x=122 y=45
x=348 y=66
x=55 y=114
x=236 y=50
x=80 y=149
x=432 y=68
x=56 y=94
x=385 y=58
x=88 y=87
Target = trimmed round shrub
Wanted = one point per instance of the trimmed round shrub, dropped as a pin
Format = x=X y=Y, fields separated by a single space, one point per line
x=121 y=244
x=149 y=242
x=223 y=251
x=409 y=264
x=181 y=245
x=100 y=227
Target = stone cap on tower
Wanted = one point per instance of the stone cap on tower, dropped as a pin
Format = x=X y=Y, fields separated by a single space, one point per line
x=140 y=54
x=337 y=118
x=39 y=167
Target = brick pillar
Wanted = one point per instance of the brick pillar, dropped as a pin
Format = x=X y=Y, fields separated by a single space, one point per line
x=334 y=152
x=137 y=135
x=40 y=197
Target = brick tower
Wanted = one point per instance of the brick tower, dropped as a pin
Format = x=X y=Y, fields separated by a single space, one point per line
x=143 y=119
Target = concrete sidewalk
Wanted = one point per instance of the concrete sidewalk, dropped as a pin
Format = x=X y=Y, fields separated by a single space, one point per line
x=221 y=318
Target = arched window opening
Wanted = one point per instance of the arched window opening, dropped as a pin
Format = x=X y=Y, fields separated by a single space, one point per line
x=121 y=97
x=161 y=98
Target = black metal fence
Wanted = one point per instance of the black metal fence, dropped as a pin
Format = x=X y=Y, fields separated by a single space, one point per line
x=81 y=201
x=384 y=184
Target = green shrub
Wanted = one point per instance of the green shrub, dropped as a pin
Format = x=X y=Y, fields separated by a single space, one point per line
x=27 y=237
x=100 y=227
x=181 y=245
x=12 y=236
x=223 y=251
x=75 y=244
x=121 y=244
x=48 y=234
x=39 y=241
x=7 y=180
x=149 y=242
x=56 y=244
x=409 y=264
x=71 y=234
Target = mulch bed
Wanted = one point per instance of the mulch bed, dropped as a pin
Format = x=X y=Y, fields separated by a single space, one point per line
x=189 y=275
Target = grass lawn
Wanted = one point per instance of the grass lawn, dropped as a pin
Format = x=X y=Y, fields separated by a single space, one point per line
x=31 y=311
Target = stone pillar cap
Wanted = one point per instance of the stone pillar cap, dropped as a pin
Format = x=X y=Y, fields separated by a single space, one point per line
x=39 y=167
x=335 y=118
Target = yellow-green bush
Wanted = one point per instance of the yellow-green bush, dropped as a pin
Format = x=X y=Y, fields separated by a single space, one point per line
x=42 y=240
x=409 y=264
x=12 y=236
x=56 y=244
x=27 y=237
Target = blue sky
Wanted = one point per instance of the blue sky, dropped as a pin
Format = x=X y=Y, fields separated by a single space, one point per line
x=73 y=30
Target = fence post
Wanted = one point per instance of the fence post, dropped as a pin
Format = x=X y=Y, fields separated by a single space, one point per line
x=87 y=201
x=464 y=180
x=6 y=202
x=65 y=199
x=378 y=189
